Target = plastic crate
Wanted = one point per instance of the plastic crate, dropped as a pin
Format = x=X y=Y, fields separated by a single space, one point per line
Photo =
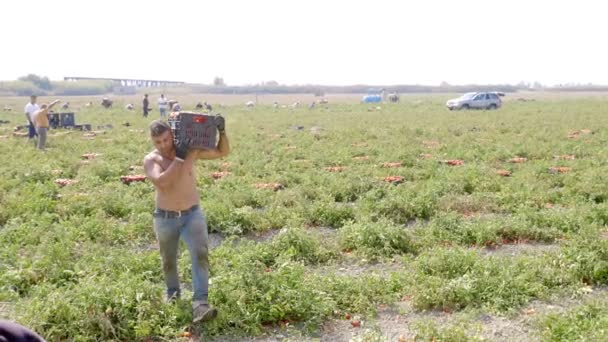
x=54 y=121
x=82 y=127
x=66 y=119
x=196 y=130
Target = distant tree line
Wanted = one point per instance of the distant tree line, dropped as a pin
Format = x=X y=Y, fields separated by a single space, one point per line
x=41 y=85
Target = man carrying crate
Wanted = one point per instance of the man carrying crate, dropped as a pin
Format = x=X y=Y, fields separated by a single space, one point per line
x=170 y=167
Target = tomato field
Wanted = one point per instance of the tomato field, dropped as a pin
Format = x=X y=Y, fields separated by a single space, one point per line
x=383 y=222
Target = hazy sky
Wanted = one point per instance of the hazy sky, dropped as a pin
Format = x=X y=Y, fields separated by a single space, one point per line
x=308 y=42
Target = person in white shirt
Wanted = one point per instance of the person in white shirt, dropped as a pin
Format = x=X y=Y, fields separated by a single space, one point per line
x=29 y=110
x=163 y=105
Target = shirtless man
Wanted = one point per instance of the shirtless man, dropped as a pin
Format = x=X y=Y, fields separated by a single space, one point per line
x=170 y=167
x=41 y=122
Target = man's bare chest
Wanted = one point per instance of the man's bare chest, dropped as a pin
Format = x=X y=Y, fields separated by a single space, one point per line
x=185 y=170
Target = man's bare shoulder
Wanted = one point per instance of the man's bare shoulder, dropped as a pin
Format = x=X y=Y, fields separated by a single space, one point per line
x=153 y=157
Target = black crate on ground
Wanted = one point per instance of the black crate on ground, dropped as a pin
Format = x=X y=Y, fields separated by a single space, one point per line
x=54 y=121
x=67 y=119
x=82 y=127
x=196 y=130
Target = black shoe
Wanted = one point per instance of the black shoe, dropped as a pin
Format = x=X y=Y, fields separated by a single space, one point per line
x=203 y=312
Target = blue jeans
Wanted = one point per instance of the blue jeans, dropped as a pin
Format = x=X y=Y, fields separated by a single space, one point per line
x=163 y=112
x=192 y=228
x=31 y=130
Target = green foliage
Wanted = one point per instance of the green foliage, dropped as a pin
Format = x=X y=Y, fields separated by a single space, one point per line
x=376 y=239
x=361 y=294
x=252 y=295
x=588 y=259
x=330 y=214
x=491 y=230
x=455 y=278
x=105 y=307
x=65 y=88
x=289 y=245
x=219 y=82
x=399 y=206
x=587 y=322
x=22 y=88
x=299 y=245
x=40 y=82
x=429 y=331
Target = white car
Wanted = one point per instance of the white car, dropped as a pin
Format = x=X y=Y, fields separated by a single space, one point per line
x=481 y=100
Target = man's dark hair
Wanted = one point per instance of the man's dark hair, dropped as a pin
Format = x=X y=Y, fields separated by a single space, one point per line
x=158 y=127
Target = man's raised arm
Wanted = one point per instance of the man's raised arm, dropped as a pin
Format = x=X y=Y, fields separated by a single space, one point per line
x=53 y=103
x=45 y=111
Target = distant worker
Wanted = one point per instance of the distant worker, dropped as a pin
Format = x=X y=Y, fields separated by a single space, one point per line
x=29 y=110
x=163 y=105
x=205 y=106
x=41 y=121
x=146 y=103
x=106 y=103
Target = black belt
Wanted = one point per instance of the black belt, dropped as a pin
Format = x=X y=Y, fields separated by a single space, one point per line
x=172 y=213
